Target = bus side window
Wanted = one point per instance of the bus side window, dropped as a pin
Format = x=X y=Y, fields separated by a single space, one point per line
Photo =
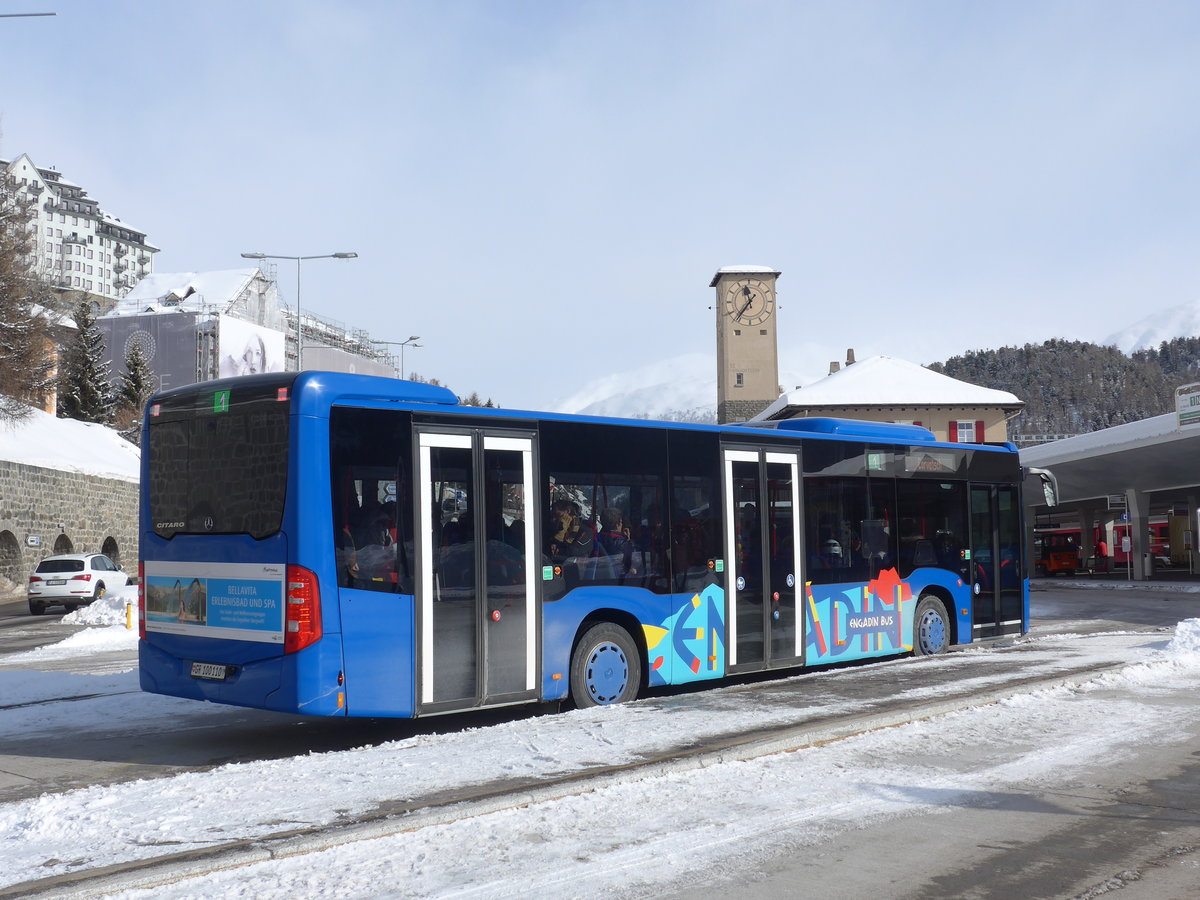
x=370 y=454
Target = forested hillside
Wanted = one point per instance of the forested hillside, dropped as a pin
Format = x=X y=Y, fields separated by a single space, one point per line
x=1073 y=387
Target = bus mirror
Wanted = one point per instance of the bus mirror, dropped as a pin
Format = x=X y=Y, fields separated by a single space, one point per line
x=1048 y=482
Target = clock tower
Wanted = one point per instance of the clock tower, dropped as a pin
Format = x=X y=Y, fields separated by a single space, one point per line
x=747 y=347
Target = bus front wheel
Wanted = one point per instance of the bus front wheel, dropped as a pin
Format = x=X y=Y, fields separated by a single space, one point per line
x=606 y=667
x=931 y=627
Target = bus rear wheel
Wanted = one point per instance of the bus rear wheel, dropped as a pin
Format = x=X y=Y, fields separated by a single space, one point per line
x=931 y=627
x=606 y=667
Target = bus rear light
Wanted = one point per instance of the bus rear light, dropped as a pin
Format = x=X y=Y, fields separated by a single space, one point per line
x=302 y=611
x=141 y=600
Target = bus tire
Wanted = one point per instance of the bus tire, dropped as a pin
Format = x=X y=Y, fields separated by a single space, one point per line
x=606 y=667
x=931 y=627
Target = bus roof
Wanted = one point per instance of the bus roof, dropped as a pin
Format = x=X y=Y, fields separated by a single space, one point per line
x=315 y=392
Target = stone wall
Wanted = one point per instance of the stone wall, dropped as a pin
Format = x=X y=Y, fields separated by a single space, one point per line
x=45 y=511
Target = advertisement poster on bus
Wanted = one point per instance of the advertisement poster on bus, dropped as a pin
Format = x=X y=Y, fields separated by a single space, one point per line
x=241 y=601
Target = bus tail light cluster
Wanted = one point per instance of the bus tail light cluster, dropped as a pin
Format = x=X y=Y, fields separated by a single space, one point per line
x=141 y=600
x=302 y=618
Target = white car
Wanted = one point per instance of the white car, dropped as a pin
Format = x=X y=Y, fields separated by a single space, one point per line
x=72 y=580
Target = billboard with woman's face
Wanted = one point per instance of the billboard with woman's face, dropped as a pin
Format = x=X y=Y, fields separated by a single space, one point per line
x=248 y=349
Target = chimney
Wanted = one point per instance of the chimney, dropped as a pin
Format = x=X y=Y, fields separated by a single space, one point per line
x=834 y=366
x=850 y=357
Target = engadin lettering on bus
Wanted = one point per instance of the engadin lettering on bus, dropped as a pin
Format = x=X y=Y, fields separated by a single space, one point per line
x=242 y=601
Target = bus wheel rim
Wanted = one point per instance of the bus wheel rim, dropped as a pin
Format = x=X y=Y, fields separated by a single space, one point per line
x=933 y=631
x=607 y=673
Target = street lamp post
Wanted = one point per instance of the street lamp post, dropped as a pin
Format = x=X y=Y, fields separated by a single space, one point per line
x=411 y=342
x=299 y=260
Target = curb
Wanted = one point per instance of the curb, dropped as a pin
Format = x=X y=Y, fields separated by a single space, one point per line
x=1164 y=587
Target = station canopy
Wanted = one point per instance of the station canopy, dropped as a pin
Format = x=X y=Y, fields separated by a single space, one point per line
x=1155 y=456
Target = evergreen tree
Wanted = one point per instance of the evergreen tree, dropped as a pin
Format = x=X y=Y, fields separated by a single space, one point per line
x=137 y=386
x=85 y=386
x=26 y=348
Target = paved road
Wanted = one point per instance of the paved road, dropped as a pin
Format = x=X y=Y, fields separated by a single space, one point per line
x=1126 y=828
x=1121 y=830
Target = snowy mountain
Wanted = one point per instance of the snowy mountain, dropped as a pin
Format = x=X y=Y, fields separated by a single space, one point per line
x=682 y=388
x=1178 y=321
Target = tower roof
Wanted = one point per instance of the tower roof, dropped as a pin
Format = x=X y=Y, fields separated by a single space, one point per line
x=743 y=270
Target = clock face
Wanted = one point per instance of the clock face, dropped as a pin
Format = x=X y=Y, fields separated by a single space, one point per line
x=749 y=302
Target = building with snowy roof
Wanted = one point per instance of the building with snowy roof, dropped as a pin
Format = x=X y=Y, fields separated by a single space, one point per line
x=80 y=246
x=884 y=389
x=198 y=326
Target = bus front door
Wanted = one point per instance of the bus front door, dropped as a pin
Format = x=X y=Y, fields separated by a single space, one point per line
x=997 y=571
x=762 y=533
x=477 y=618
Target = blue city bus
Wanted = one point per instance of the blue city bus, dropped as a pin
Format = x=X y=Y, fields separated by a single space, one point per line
x=335 y=544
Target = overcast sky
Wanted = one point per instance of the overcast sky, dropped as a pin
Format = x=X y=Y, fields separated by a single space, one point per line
x=542 y=191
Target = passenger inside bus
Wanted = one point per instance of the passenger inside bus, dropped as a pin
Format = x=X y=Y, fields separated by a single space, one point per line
x=614 y=551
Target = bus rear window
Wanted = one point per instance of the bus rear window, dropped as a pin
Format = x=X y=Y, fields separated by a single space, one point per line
x=219 y=472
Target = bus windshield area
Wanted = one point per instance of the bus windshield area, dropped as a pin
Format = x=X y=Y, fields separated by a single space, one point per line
x=221 y=473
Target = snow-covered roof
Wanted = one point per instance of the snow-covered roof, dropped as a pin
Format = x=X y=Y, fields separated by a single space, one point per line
x=743 y=270
x=69 y=445
x=110 y=219
x=884 y=381
x=185 y=292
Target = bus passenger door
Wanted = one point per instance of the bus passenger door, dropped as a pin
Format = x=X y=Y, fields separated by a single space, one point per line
x=997 y=572
x=762 y=534
x=476 y=591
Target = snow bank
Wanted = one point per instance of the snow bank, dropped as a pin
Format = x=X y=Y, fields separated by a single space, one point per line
x=1186 y=643
x=108 y=610
x=68 y=445
x=108 y=613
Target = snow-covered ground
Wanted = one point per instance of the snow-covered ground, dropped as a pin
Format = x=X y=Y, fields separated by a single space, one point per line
x=651 y=828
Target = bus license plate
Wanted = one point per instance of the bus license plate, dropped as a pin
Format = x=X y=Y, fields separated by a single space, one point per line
x=209 y=671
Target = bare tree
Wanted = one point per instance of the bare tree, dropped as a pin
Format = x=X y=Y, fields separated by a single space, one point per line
x=27 y=353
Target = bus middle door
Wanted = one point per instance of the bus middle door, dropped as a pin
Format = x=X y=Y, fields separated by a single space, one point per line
x=997 y=571
x=762 y=533
x=477 y=615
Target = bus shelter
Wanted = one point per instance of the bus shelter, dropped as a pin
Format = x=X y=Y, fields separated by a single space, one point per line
x=1134 y=473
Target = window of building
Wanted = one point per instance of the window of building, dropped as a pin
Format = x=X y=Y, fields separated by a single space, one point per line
x=963 y=432
x=739 y=380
